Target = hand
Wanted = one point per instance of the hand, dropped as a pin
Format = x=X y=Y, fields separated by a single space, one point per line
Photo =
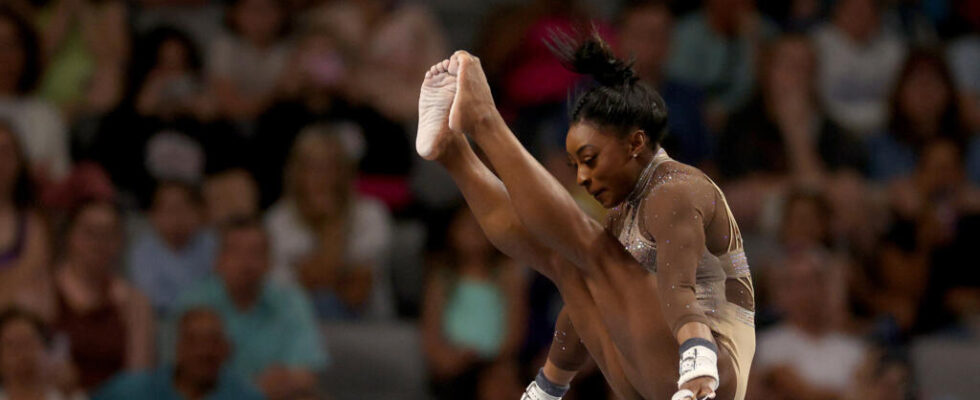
x=701 y=387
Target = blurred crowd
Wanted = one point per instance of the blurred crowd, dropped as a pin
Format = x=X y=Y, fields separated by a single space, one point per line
x=191 y=190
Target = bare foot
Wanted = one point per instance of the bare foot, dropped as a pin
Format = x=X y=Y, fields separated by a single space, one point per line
x=438 y=92
x=473 y=103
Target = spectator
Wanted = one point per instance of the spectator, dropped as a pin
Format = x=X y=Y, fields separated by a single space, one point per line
x=86 y=45
x=645 y=35
x=272 y=327
x=474 y=310
x=715 y=50
x=24 y=369
x=327 y=238
x=161 y=132
x=314 y=91
x=230 y=194
x=199 y=372
x=38 y=124
x=109 y=323
x=245 y=65
x=24 y=252
x=924 y=107
x=858 y=62
x=783 y=132
x=964 y=55
x=176 y=250
x=808 y=355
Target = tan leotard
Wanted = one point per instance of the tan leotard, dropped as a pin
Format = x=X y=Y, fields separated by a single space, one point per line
x=722 y=294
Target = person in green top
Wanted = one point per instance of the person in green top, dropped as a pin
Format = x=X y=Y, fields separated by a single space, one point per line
x=272 y=327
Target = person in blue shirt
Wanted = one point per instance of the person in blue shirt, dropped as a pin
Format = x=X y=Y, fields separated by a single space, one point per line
x=198 y=374
x=276 y=343
x=176 y=251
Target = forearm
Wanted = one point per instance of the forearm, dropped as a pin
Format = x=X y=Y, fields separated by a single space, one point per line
x=542 y=204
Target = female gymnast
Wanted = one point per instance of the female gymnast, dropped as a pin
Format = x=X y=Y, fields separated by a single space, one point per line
x=665 y=283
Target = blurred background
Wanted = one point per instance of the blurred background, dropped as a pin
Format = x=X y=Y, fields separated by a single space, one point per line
x=220 y=198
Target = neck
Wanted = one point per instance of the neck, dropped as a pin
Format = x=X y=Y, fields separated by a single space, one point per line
x=192 y=389
x=85 y=275
x=244 y=299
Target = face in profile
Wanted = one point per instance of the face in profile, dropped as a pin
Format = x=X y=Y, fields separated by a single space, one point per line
x=602 y=162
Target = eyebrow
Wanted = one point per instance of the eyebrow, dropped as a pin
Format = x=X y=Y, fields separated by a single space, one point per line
x=584 y=147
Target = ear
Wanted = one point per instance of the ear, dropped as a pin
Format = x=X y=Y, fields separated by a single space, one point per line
x=637 y=141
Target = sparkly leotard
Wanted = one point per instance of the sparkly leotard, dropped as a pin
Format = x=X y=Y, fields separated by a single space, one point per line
x=722 y=286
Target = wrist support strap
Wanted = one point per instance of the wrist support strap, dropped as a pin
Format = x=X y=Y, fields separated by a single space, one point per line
x=543 y=389
x=699 y=358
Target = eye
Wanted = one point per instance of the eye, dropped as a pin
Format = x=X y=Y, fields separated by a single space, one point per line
x=590 y=161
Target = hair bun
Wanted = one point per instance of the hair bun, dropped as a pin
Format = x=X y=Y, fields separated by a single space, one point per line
x=590 y=55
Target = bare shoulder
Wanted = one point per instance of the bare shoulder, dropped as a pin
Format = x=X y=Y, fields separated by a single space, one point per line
x=677 y=186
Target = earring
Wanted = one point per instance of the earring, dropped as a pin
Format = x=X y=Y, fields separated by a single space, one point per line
x=635 y=155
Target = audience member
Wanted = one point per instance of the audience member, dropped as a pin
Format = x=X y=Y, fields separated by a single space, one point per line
x=109 y=323
x=715 y=49
x=808 y=355
x=924 y=106
x=645 y=34
x=230 y=194
x=275 y=341
x=38 y=124
x=314 y=90
x=245 y=65
x=858 y=63
x=199 y=371
x=474 y=310
x=25 y=368
x=176 y=250
x=325 y=236
x=86 y=48
x=158 y=133
x=24 y=246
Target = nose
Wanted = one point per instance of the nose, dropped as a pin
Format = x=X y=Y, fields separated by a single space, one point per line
x=582 y=178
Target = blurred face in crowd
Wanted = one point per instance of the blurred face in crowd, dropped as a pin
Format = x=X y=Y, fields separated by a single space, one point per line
x=646 y=37
x=924 y=95
x=9 y=163
x=95 y=238
x=259 y=21
x=173 y=57
x=790 y=67
x=202 y=348
x=321 y=64
x=805 y=288
x=941 y=167
x=857 y=18
x=21 y=351
x=11 y=56
x=603 y=162
x=321 y=177
x=726 y=15
x=244 y=260
x=176 y=214
x=467 y=237
x=805 y=223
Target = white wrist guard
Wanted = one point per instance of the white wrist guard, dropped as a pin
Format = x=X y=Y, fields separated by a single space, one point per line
x=534 y=392
x=699 y=358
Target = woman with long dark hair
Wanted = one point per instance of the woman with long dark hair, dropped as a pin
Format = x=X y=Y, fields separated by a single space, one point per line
x=675 y=278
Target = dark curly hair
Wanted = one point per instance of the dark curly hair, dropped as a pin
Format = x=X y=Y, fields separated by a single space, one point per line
x=618 y=100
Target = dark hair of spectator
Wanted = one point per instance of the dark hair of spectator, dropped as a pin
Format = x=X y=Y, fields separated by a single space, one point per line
x=23 y=187
x=951 y=121
x=192 y=191
x=240 y=223
x=619 y=100
x=146 y=54
x=30 y=72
